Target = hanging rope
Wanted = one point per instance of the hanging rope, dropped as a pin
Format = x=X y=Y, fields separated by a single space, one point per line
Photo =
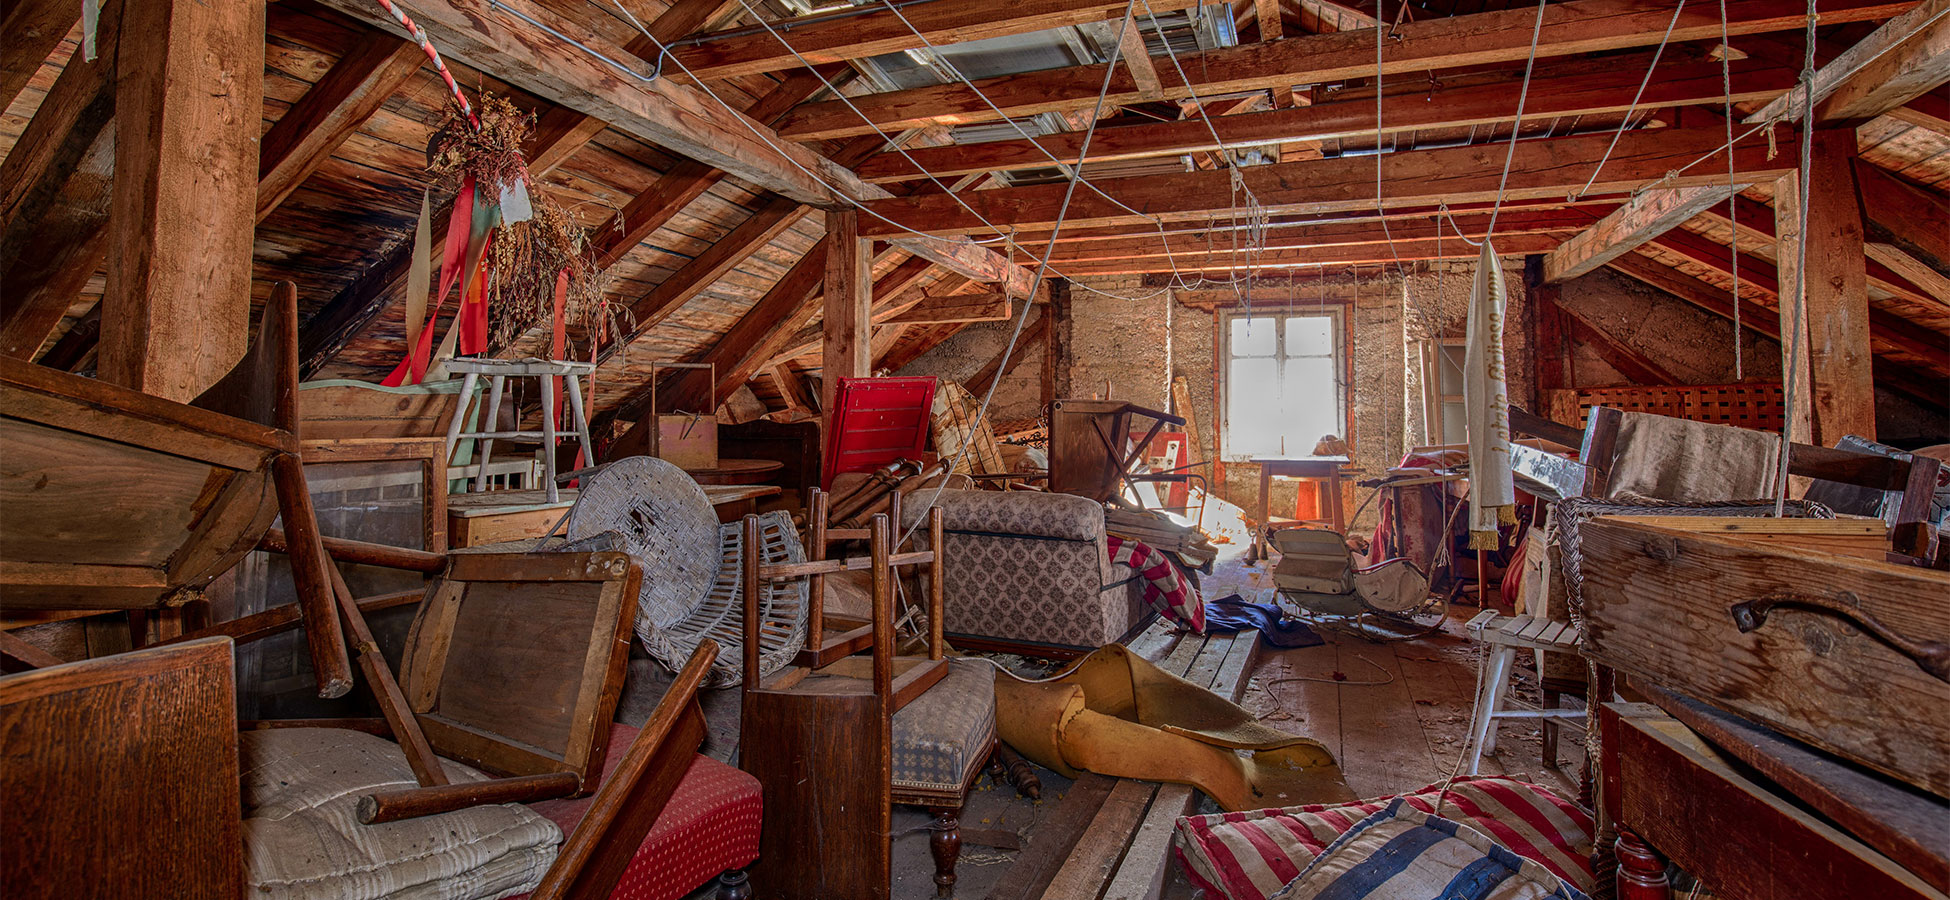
x=1523 y=97
x=426 y=45
x=1733 y=199
x=1793 y=336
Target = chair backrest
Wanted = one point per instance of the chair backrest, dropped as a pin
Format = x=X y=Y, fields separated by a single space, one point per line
x=594 y=856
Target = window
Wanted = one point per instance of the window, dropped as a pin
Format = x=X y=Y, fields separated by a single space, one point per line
x=1283 y=384
x=1442 y=390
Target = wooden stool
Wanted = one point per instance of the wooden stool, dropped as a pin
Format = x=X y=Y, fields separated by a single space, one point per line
x=499 y=371
x=1505 y=635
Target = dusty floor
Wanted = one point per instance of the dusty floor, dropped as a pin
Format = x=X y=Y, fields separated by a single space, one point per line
x=1394 y=713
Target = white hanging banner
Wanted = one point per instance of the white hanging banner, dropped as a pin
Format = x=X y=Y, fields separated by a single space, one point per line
x=1486 y=402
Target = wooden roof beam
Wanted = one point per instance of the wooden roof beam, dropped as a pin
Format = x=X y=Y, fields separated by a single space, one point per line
x=874 y=30
x=1899 y=61
x=314 y=127
x=1540 y=168
x=1609 y=91
x=1335 y=234
x=1351 y=254
x=28 y=35
x=1647 y=216
x=1756 y=220
x=1576 y=26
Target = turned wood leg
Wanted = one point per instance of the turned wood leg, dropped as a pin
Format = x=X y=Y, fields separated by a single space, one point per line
x=1641 y=871
x=945 y=843
x=734 y=885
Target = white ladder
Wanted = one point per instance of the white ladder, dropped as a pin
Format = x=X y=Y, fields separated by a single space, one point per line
x=498 y=371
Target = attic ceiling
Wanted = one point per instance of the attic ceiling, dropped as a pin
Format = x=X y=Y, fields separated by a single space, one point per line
x=705 y=260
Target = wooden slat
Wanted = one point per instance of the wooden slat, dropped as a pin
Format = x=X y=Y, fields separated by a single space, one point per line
x=1097 y=852
x=1247 y=259
x=1578 y=26
x=1539 y=168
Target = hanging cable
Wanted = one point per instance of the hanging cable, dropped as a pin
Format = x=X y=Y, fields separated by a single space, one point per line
x=1793 y=338
x=1627 y=121
x=1733 y=199
x=1523 y=97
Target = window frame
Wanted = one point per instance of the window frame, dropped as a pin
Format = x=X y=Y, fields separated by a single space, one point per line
x=1339 y=355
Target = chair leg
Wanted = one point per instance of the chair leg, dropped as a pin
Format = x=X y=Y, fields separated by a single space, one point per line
x=735 y=885
x=1495 y=677
x=944 y=842
x=1551 y=727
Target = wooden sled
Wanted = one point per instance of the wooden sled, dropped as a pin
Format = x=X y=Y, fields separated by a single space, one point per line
x=119 y=500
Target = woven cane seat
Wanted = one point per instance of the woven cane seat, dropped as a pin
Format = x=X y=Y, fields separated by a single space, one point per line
x=691 y=588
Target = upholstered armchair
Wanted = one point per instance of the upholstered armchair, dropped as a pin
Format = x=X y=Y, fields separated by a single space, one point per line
x=1028 y=567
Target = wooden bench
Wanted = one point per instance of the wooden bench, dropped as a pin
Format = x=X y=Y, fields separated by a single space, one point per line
x=1111 y=837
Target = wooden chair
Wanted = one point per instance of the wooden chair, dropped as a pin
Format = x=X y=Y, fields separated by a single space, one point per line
x=837 y=745
x=118 y=500
x=101 y=802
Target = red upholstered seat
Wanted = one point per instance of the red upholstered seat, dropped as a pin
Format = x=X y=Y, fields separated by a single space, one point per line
x=710 y=826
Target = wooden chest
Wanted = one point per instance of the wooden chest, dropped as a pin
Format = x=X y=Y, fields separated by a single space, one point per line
x=1846 y=654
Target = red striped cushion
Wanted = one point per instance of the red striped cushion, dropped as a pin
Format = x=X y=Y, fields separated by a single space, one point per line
x=1250 y=855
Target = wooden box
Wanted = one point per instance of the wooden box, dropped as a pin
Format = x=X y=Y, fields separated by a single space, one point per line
x=339 y=410
x=1829 y=649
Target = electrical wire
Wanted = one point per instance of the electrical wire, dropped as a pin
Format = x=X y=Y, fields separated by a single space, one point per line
x=1793 y=337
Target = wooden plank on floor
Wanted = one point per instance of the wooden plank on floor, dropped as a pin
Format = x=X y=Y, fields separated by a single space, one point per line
x=1156 y=641
x=1055 y=838
x=1142 y=874
x=1382 y=743
x=1231 y=680
x=1102 y=846
x=1210 y=657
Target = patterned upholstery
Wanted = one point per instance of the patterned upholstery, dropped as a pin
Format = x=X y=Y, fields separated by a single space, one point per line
x=709 y=826
x=941 y=738
x=303 y=841
x=1250 y=855
x=1030 y=566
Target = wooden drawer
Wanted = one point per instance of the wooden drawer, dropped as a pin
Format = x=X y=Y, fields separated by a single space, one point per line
x=1660 y=604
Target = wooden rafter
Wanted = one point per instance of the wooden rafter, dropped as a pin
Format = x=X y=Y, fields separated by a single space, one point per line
x=1539 y=168
x=1905 y=57
x=1756 y=220
x=1576 y=26
x=308 y=133
x=915 y=344
x=936 y=309
x=872 y=31
x=1906 y=215
x=1610 y=90
x=1472 y=226
x=1645 y=217
x=1918 y=384
x=28 y=34
x=1625 y=358
x=1338 y=255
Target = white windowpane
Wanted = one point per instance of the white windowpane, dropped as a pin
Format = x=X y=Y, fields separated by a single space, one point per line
x=1253 y=336
x=1309 y=336
x=1454 y=428
x=1252 y=408
x=1311 y=408
x=1449 y=369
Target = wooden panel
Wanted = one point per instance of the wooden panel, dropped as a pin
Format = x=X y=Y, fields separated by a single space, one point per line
x=1755 y=405
x=842 y=814
x=103 y=805
x=1657 y=605
x=153 y=492
x=333 y=412
x=1739 y=839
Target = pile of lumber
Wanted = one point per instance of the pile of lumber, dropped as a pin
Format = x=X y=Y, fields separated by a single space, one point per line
x=1159 y=532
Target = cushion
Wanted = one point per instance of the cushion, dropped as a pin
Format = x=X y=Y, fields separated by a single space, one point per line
x=1403 y=853
x=943 y=736
x=302 y=839
x=709 y=826
x=1164 y=587
x=1249 y=855
x=1313 y=561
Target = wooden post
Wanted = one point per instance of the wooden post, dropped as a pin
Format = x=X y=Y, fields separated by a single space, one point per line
x=1833 y=389
x=849 y=302
x=1056 y=368
x=189 y=108
x=1548 y=335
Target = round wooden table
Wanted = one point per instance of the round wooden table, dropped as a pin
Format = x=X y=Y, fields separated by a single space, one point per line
x=736 y=471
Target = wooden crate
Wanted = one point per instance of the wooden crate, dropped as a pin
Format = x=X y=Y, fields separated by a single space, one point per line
x=1660 y=603
x=1857 y=536
x=1748 y=405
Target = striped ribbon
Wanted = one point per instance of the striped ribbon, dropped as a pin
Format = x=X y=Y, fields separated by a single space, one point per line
x=426 y=44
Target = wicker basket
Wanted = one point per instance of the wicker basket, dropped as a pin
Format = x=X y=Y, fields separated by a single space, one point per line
x=691 y=588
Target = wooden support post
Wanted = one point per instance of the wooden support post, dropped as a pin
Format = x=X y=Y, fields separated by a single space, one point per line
x=1834 y=390
x=1055 y=368
x=189 y=108
x=1549 y=336
x=849 y=302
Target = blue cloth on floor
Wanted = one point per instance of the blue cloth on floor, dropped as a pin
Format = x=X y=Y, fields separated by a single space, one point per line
x=1233 y=613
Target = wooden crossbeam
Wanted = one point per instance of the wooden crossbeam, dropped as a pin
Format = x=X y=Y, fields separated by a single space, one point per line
x=1137 y=60
x=1609 y=90
x=1334 y=234
x=1539 y=168
x=893 y=294
x=936 y=309
x=1576 y=26
x=1905 y=57
x=1647 y=216
x=873 y=30
x=1340 y=255
x=1911 y=217
x=308 y=133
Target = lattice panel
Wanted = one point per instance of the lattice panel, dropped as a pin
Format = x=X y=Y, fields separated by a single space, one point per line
x=1752 y=405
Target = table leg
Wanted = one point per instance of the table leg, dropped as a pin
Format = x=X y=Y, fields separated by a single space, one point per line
x=1335 y=509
